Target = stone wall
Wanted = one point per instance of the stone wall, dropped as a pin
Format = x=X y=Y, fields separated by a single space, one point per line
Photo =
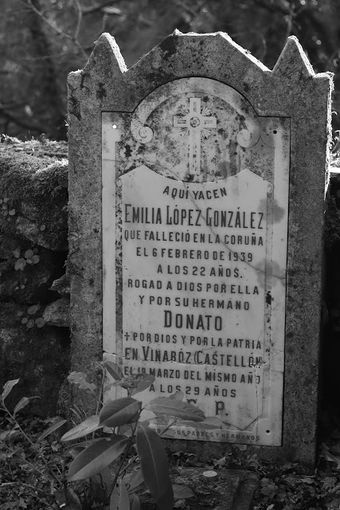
x=34 y=293
x=34 y=335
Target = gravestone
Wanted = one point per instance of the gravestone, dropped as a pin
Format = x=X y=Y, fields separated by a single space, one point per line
x=197 y=180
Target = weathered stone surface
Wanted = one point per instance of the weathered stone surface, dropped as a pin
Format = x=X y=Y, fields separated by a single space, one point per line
x=33 y=194
x=27 y=270
x=291 y=90
x=58 y=313
x=62 y=285
x=33 y=352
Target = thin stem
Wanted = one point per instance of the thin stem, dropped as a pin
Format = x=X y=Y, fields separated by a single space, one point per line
x=168 y=426
x=94 y=8
x=100 y=396
x=129 y=462
x=29 y=440
x=79 y=19
x=56 y=29
x=14 y=420
x=126 y=452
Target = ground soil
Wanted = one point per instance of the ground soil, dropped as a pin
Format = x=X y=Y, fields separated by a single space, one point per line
x=26 y=484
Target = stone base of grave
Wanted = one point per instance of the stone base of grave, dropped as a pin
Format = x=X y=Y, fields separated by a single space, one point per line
x=229 y=489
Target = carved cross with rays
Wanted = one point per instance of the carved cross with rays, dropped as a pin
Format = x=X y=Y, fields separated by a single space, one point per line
x=194 y=122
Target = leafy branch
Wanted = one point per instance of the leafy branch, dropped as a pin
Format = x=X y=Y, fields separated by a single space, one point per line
x=120 y=429
x=20 y=122
x=96 y=7
x=108 y=441
x=12 y=417
x=74 y=37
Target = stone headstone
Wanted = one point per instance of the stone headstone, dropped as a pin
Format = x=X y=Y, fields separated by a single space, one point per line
x=196 y=216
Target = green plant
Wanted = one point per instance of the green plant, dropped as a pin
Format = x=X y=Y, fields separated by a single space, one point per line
x=28 y=461
x=122 y=447
x=117 y=448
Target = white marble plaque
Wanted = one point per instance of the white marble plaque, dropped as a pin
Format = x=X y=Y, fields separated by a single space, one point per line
x=195 y=257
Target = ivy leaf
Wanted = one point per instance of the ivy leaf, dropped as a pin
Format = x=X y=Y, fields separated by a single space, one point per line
x=143 y=382
x=119 y=412
x=114 y=370
x=137 y=382
x=83 y=429
x=155 y=466
x=119 y=499
x=174 y=407
x=72 y=500
x=7 y=388
x=22 y=404
x=79 y=379
x=20 y=264
x=9 y=434
x=182 y=491
x=134 y=479
x=134 y=502
x=114 y=498
x=33 y=309
x=179 y=395
x=96 y=457
x=124 y=501
x=52 y=428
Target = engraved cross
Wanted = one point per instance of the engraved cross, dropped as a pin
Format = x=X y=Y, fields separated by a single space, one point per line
x=194 y=121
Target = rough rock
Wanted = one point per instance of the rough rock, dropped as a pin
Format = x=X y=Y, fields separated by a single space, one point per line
x=33 y=352
x=26 y=270
x=58 y=313
x=62 y=285
x=33 y=200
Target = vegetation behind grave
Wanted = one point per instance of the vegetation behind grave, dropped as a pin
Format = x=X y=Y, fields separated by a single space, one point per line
x=43 y=40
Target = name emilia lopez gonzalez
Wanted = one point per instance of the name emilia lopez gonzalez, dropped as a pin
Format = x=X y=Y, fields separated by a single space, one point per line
x=193 y=217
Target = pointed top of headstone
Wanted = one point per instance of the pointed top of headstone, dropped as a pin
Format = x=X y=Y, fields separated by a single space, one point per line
x=106 y=55
x=293 y=60
x=177 y=32
x=217 y=42
x=232 y=44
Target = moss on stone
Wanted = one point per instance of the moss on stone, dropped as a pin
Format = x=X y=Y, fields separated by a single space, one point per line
x=33 y=251
x=33 y=183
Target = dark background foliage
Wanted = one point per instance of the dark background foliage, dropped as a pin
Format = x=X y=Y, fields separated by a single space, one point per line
x=41 y=41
